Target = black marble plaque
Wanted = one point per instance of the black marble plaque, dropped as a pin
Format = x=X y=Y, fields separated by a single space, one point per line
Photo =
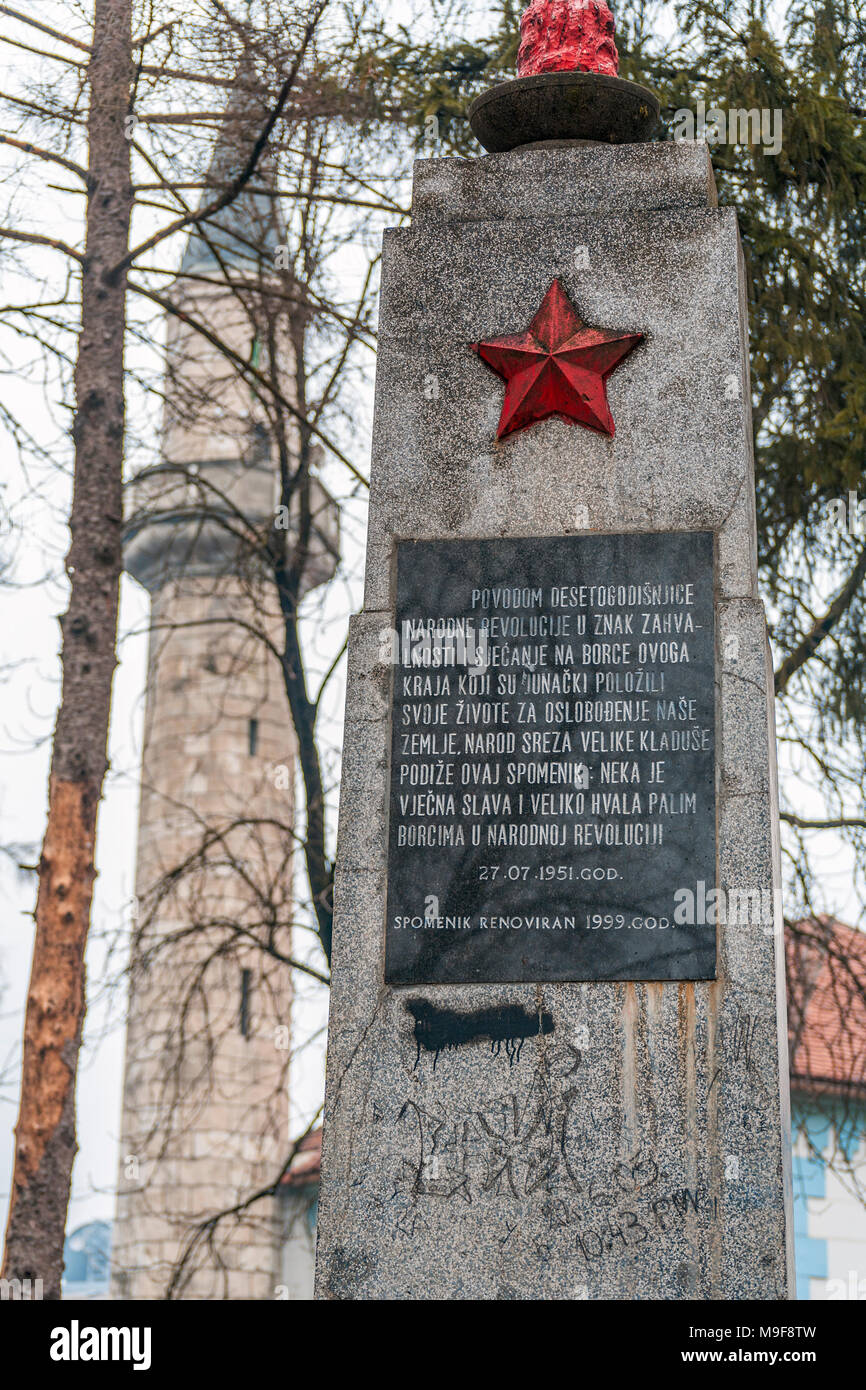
x=552 y=798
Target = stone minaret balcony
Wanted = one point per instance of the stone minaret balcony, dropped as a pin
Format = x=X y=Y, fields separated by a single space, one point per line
x=188 y=519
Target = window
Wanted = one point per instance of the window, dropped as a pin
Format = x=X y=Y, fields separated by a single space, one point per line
x=246 y=1002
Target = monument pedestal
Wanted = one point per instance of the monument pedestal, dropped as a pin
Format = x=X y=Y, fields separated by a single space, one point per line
x=525 y=1099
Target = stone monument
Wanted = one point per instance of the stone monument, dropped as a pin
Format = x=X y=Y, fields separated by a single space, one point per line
x=557 y=1059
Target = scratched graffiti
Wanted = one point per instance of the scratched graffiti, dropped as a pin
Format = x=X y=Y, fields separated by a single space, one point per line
x=543 y=1143
x=512 y=1146
x=744 y=1032
x=739 y=1073
x=626 y=1228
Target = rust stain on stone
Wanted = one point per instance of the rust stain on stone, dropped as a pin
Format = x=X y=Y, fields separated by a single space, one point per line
x=715 y=994
x=629 y=1067
x=686 y=1030
x=653 y=995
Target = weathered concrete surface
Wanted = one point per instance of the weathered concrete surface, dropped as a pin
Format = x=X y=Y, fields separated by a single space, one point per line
x=639 y=1148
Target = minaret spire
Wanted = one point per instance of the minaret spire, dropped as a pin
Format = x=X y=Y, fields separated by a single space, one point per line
x=238 y=233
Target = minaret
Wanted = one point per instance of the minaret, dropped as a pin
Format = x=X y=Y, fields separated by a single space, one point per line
x=205 y=1104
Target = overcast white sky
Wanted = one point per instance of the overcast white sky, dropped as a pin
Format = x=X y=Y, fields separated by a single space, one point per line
x=28 y=694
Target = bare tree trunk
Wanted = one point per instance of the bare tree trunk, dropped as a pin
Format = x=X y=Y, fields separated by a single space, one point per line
x=45 y=1134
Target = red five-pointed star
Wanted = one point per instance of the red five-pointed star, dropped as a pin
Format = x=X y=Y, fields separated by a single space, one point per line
x=557 y=367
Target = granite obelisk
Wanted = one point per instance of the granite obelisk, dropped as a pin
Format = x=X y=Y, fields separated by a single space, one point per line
x=557 y=1060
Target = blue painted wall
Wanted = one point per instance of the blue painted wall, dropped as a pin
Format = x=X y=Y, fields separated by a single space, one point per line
x=815 y=1120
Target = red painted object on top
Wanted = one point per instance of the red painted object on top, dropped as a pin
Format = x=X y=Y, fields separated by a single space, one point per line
x=557 y=367
x=567 y=36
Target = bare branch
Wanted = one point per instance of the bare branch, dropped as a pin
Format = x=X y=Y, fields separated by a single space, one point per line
x=205 y=1230
x=57 y=115
x=833 y=823
x=154 y=34
x=819 y=630
x=247 y=370
x=243 y=178
x=45 y=28
x=42 y=53
x=39 y=240
x=45 y=154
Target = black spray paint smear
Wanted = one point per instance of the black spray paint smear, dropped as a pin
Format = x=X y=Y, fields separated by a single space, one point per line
x=438 y=1029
